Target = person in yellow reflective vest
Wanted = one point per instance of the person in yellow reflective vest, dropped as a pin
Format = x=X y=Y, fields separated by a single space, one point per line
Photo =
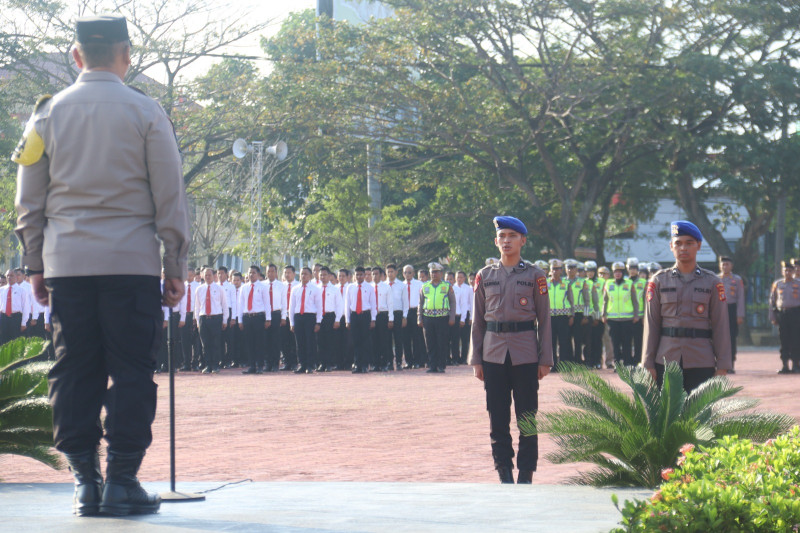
x=593 y=351
x=438 y=304
x=581 y=308
x=620 y=311
x=561 y=314
x=640 y=285
x=603 y=278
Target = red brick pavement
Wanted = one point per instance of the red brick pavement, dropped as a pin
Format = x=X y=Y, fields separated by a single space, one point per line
x=399 y=426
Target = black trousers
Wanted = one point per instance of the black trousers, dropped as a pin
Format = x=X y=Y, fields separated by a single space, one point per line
x=559 y=326
x=210 y=330
x=227 y=347
x=413 y=341
x=306 y=341
x=466 y=333
x=273 y=340
x=789 y=333
x=577 y=333
x=163 y=353
x=734 y=327
x=501 y=382
x=381 y=340
x=621 y=332
x=455 y=341
x=188 y=335
x=326 y=340
x=596 y=343
x=637 y=335
x=397 y=336
x=437 y=336
x=288 y=346
x=344 y=346
x=692 y=377
x=10 y=327
x=254 y=334
x=239 y=356
x=104 y=327
x=359 y=332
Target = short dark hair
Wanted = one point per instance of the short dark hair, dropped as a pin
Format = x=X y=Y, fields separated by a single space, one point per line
x=725 y=258
x=379 y=269
x=359 y=269
x=344 y=271
x=461 y=272
x=391 y=265
x=290 y=267
x=449 y=273
x=236 y=274
x=272 y=265
x=256 y=268
x=325 y=269
x=306 y=268
x=223 y=268
x=424 y=270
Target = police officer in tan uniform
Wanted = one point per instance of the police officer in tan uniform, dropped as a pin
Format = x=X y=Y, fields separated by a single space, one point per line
x=686 y=315
x=784 y=312
x=511 y=348
x=734 y=292
x=99 y=192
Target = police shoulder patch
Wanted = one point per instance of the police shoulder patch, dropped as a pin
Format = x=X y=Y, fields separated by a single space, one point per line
x=721 y=291
x=30 y=148
x=651 y=290
x=541 y=283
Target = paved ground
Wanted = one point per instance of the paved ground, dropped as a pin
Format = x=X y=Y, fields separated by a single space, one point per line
x=392 y=427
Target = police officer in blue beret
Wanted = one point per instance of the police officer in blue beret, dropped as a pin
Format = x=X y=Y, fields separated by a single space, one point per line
x=511 y=348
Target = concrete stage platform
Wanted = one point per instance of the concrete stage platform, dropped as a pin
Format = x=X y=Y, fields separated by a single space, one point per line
x=332 y=507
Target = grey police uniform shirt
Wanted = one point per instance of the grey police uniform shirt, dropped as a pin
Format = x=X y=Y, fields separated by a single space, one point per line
x=517 y=296
x=784 y=295
x=109 y=182
x=695 y=300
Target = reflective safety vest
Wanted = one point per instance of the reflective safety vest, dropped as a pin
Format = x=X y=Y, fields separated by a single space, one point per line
x=436 y=301
x=577 y=294
x=592 y=286
x=620 y=304
x=641 y=286
x=559 y=304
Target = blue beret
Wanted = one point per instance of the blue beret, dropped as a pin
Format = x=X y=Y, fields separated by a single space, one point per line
x=679 y=228
x=511 y=223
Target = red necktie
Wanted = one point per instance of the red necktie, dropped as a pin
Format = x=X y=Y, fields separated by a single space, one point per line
x=188 y=297
x=208 y=300
x=358 y=300
x=288 y=295
x=303 y=301
x=250 y=297
x=270 y=296
x=376 y=297
x=323 y=298
x=341 y=289
x=409 y=294
x=8 y=300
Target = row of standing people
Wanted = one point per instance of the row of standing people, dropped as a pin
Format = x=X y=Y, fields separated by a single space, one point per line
x=20 y=314
x=367 y=319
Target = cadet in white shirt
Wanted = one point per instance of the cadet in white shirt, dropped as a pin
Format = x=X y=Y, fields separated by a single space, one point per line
x=384 y=322
x=288 y=344
x=413 y=339
x=332 y=313
x=344 y=342
x=464 y=297
x=455 y=329
x=256 y=317
x=359 y=309
x=279 y=303
x=400 y=306
x=189 y=337
x=227 y=335
x=239 y=355
x=305 y=317
x=211 y=315
x=15 y=309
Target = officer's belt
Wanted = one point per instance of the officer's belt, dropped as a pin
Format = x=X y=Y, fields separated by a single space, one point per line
x=510 y=327
x=686 y=332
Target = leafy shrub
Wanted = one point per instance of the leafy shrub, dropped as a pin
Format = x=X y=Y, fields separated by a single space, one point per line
x=736 y=486
x=632 y=435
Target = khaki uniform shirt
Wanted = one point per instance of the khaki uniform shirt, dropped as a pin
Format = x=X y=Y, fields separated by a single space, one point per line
x=698 y=302
x=783 y=296
x=734 y=291
x=517 y=296
x=109 y=183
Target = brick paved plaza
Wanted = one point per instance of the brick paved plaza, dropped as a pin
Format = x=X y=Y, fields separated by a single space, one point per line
x=406 y=426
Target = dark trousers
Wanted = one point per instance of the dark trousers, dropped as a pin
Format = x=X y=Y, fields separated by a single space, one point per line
x=455 y=341
x=10 y=327
x=227 y=346
x=576 y=334
x=239 y=355
x=637 y=334
x=789 y=332
x=326 y=341
x=104 y=327
x=344 y=346
x=210 y=330
x=734 y=327
x=397 y=333
x=596 y=343
x=254 y=334
x=559 y=326
x=501 y=382
x=188 y=335
x=437 y=336
x=288 y=346
x=359 y=332
x=306 y=341
x=692 y=377
x=413 y=342
x=381 y=341
x=466 y=332
x=621 y=332
x=273 y=339
x=163 y=353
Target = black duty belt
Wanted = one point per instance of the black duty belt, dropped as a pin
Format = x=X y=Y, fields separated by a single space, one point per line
x=510 y=327
x=687 y=332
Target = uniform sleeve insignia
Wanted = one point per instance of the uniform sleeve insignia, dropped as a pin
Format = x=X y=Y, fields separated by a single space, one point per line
x=542 y=284
x=651 y=290
x=523 y=301
x=478 y=279
x=700 y=309
x=30 y=148
x=721 y=291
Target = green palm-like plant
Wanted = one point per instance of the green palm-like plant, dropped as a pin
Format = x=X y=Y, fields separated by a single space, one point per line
x=26 y=419
x=632 y=437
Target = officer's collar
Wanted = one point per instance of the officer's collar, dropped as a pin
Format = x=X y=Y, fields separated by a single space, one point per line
x=676 y=272
x=521 y=265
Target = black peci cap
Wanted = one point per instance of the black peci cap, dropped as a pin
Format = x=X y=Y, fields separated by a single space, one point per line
x=102 y=29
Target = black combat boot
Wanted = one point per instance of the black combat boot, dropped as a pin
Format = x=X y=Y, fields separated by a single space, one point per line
x=506 y=475
x=85 y=468
x=525 y=477
x=122 y=494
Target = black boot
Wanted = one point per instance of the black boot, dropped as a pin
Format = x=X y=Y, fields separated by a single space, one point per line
x=525 y=477
x=85 y=468
x=506 y=475
x=122 y=494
